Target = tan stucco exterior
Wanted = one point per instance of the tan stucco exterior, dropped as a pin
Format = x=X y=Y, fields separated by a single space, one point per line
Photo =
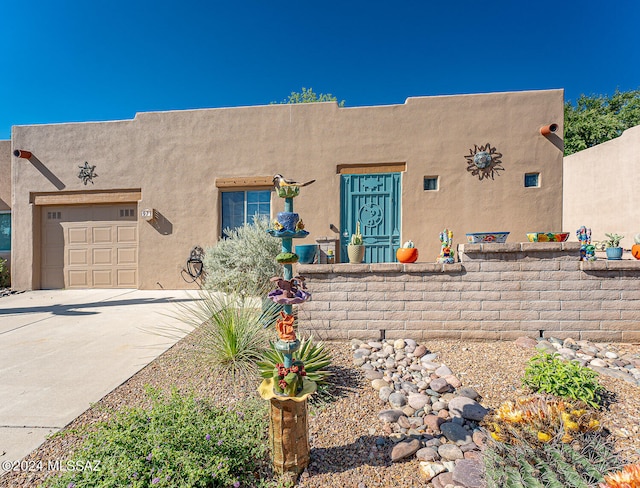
x=5 y=185
x=174 y=158
x=600 y=188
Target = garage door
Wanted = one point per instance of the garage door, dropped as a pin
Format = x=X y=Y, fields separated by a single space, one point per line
x=94 y=246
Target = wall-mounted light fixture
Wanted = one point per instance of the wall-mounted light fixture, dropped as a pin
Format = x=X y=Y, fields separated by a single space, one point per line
x=19 y=153
x=548 y=129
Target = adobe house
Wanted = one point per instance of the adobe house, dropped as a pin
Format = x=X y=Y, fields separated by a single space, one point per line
x=122 y=204
x=5 y=200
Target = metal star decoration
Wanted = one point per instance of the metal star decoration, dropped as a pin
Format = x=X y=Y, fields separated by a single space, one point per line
x=484 y=161
x=87 y=173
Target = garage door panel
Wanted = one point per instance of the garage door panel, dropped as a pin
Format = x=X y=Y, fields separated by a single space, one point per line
x=77 y=235
x=77 y=278
x=127 y=234
x=102 y=278
x=103 y=257
x=103 y=235
x=78 y=257
x=127 y=278
x=127 y=256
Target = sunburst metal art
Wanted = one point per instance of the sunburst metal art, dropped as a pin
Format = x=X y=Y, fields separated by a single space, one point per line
x=87 y=173
x=484 y=161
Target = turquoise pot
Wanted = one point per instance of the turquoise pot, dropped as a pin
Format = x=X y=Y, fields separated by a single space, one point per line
x=614 y=253
x=306 y=253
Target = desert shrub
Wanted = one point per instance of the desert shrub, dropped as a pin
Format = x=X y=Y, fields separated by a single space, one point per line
x=5 y=276
x=245 y=260
x=230 y=335
x=548 y=373
x=180 y=441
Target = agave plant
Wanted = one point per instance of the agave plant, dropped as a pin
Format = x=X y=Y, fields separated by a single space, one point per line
x=314 y=357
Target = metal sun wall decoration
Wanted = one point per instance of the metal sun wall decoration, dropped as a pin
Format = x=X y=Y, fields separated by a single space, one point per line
x=87 y=173
x=484 y=161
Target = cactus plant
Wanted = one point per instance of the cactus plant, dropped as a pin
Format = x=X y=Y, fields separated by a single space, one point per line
x=356 y=238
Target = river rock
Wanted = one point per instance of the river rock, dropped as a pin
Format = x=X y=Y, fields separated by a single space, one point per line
x=418 y=401
x=455 y=433
x=443 y=371
x=427 y=454
x=384 y=393
x=404 y=449
x=433 y=422
x=430 y=470
x=379 y=383
x=397 y=400
x=450 y=452
x=468 y=392
x=372 y=374
x=467 y=408
x=390 y=415
x=469 y=473
x=439 y=385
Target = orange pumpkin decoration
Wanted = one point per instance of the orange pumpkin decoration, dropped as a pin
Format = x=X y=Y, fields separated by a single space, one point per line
x=635 y=251
x=407 y=254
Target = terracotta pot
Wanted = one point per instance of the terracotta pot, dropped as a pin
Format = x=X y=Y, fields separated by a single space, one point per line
x=407 y=254
x=355 y=253
x=635 y=251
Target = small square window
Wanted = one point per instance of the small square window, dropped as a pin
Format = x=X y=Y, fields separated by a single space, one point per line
x=532 y=180
x=431 y=183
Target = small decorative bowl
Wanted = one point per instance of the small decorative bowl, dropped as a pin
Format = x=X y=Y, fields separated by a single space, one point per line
x=484 y=237
x=547 y=236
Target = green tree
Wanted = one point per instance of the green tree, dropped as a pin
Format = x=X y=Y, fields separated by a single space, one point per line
x=598 y=118
x=309 y=96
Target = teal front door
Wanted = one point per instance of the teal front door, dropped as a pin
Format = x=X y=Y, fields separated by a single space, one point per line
x=374 y=201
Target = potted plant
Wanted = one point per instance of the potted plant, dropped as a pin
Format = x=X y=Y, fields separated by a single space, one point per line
x=613 y=249
x=355 y=248
x=407 y=253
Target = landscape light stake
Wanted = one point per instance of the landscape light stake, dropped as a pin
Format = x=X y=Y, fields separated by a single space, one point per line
x=288 y=388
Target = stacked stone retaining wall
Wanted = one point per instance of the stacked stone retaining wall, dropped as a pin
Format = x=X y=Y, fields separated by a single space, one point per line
x=496 y=291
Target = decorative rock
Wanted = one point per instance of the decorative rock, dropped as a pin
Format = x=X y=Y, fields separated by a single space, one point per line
x=377 y=384
x=467 y=408
x=430 y=470
x=433 y=422
x=455 y=433
x=567 y=353
x=373 y=374
x=453 y=381
x=427 y=454
x=431 y=366
x=408 y=411
x=409 y=387
x=439 y=385
x=479 y=438
x=442 y=480
x=418 y=401
x=469 y=393
x=404 y=422
x=375 y=345
x=450 y=452
x=419 y=351
x=404 y=449
x=384 y=393
x=359 y=361
x=399 y=344
x=390 y=415
x=361 y=352
x=469 y=473
x=599 y=363
x=611 y=355
x=438 y=405
x=397 y=400
x=443 y=371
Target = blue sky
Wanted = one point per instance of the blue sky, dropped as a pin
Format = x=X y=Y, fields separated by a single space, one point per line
x=88 y=60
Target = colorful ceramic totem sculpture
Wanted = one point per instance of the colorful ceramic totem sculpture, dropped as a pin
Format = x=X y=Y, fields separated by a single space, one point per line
x=587 y=250
x=447 y=256
x=289 y=390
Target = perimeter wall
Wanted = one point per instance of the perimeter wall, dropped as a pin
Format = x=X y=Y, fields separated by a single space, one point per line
x=496 y=291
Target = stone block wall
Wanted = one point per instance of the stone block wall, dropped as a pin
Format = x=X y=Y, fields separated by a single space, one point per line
x=495 y=292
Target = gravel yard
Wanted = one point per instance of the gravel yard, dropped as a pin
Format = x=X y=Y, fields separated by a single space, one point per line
x=343 y=432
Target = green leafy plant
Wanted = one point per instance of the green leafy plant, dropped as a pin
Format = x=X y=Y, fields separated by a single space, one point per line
x=178 y=441
x=314 y=357
x=613 y=240
x=549 y=374
x=244 y=261
x=5 y=277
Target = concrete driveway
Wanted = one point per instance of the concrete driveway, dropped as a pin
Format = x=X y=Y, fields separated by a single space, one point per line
x=61 y=350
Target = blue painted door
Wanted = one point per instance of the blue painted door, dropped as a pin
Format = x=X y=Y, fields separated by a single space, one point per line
x=374 y=201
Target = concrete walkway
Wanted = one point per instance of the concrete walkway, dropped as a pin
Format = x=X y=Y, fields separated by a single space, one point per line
x=61 y=350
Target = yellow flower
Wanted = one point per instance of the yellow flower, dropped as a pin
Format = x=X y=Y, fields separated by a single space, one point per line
x=544 y=437
x=568 y=423
x=567 y=438
x=594 y=424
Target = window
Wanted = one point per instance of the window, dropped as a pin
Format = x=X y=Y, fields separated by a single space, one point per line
x=240 y=207
x=431 y=183
x=127 y=212
x=532 y=180
x=5 y=231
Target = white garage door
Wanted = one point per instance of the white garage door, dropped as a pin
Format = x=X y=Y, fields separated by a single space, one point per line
x=94 y=246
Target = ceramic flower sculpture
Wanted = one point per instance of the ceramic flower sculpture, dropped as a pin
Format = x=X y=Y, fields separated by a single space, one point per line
x=587 y=250
x=447 y=256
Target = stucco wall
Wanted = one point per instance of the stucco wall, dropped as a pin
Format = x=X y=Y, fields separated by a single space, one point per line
x=496 y=292
x=175 y=157
x=5 y=175
x=600 y=188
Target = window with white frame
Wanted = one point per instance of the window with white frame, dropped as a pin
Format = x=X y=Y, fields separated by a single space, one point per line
x=241 y=207
x=5 y=231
